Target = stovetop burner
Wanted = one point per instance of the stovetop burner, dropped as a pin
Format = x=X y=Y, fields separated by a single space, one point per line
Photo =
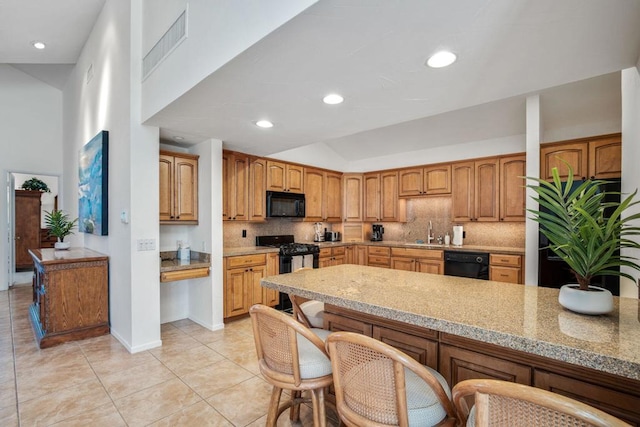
x=287 y=245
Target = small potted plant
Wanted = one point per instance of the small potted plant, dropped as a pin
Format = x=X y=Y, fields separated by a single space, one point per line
x=573 y=219
x=60 y=226
x=35 y=184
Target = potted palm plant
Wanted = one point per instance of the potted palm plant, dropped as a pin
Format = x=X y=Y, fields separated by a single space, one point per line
x=574 y=221
x=60 y=226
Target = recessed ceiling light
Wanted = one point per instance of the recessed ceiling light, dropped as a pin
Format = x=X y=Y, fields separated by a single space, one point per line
x=441 y=59
x=39 y=45
x=264 y=124
x=332 y=99
x=178 y=138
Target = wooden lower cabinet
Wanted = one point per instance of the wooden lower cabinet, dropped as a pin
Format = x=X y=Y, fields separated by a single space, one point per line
x=420 y=260
x=242 y=286
x=379 y=256
x=506 y=268
x=332 y=256
x=458 y=358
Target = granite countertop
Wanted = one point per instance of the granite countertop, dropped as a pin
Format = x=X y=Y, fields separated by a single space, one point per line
x=249 y=250
x=525 y=318
x=169 y=261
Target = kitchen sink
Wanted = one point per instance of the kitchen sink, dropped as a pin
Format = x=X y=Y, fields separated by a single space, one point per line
x=421 y=244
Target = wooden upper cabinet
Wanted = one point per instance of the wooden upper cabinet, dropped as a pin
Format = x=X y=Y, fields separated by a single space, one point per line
x=576 y=154
x=463 y=191
x=512 y=188
x=332 y=195
x=283 y=176
x=605 y=158
x=352 y=206
x=435 y=179
x=371 y=184
x=381 y=197
x=257 y=189
x=475 y=190
x=314 y=180
x=178 y=188
x=235 y=169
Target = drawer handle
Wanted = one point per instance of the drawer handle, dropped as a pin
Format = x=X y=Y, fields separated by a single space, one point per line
x=504 y=275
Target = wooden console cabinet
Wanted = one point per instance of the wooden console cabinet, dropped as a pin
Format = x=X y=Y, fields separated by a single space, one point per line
x=70 y=295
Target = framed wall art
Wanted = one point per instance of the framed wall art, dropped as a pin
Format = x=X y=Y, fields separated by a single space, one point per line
x=93 y=185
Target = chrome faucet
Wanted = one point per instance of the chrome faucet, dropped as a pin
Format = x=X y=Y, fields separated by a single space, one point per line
x=430 y=233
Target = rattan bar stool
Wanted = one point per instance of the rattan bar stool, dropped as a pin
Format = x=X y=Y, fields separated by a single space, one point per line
x=308 y=312
x=502 y=403
x=377 y=385
x=291 y=357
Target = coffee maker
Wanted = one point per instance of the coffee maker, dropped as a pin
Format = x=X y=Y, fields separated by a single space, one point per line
x=377 y=232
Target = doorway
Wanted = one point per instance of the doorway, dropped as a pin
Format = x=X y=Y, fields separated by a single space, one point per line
x=26 y=208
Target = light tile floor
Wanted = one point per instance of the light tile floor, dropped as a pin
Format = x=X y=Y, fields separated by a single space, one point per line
x=197 y=378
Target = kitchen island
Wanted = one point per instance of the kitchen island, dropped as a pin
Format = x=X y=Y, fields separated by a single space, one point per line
x=469 y=328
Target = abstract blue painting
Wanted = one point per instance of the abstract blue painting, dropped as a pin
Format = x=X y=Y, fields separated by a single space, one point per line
x=93 y=186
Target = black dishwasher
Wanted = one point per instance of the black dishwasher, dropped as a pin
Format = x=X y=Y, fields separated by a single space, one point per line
x=466 y=264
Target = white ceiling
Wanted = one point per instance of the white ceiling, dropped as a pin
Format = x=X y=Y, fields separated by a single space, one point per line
x=373 y=52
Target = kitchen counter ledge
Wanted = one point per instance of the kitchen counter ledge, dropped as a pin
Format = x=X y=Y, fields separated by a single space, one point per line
x=524 y=318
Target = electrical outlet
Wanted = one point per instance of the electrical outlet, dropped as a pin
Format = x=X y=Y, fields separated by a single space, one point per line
x=244 y=233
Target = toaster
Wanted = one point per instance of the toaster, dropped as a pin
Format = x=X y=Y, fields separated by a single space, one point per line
x=332 y=236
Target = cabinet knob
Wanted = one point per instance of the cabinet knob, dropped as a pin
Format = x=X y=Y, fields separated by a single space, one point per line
x=17 y=237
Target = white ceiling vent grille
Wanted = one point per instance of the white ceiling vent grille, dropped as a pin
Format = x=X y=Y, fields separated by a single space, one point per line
x=167 y=43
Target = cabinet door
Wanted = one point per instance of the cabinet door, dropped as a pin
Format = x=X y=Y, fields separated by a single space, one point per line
x=512 y=188
x=166 y=187
x=605 y=158
x=339 y=260
x=371 y=184
x=226 y=185
x=295 y=178
x=429 y=266
x=236 y=292
x=240 y=201
x=406 y=264
x=332 y=195
x=504 y=274
x=257 y=189
x=576 y=154
x=389 y=196
x=361 y=255
x=437 y=179
x=486 y=190
x=186 y=187
x=276 y=176
x=410 y=182
x=457 y=364
x=253 y=277
x=421 y=349
x=314 y=180
x=352 y=198
x=335 y=323
x=462 y=193
x=271 y=296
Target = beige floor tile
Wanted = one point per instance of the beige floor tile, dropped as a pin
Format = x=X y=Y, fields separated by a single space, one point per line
x=157 y=402
x=176 y=341
x=185 y=362
x=8 y=394
x=201 y=414
x=54 y=375
x=119 y=361
x=192 y=328
x=306 y=419
x=243 y=403
x=102 y=416
x=214 y=378
x=243 y=325
x=248 y=360
x=6 y=371
x=31 y=356
x=63 y=404
x=9 y=416
x=123 y=383
x=238 y=343
x=182 y=323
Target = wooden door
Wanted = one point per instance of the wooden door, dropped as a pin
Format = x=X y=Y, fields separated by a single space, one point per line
x=314 y=180
x=424 y=265
x=371 y=183
x=253 y=278
x=226 y=185
x=410 y=182
x=186 y=188
x=236 y=292
x=406 y=264
x=271 y=296
x=605 y=158
x=437 y=179
x=462 y=191
x=295 y=178
x=421 y=349
x=240 y=201
x=361 y=255
x=486 y=190
x=332 y=195
x=352 y=197
x=388 y=196
x=166 y=187
x=512 y=188
x=257 y=189
x=27 y=223
x=276 y=176
x=576 y=154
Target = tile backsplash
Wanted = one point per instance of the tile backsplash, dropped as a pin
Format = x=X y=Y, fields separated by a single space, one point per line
x=419 y=213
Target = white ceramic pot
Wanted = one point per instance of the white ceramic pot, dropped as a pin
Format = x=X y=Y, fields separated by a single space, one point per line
x=62 y=245
x=594 y=301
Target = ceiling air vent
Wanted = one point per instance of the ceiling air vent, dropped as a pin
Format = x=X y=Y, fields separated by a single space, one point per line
x=169 y=41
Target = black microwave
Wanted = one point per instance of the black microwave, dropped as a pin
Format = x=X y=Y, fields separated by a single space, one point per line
x=285 y=205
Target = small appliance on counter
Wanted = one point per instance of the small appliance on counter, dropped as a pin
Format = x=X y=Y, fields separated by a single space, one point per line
x=318 y=235
x=332 y=236
x=377 y=232
x=458 y=235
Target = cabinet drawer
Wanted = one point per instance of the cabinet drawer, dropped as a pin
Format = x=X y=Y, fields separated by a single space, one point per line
x=505 y=260
x=421 y=349
x=246 y=260
x=193 y=273
x=379 y=261
x=325 y=252
x=504 y=274
x=376 y=250
x=335 y=323
x=339 y=251
x=418 y=253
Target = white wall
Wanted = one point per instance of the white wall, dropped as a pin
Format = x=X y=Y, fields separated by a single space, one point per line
x=111 y=101
x=31 y=142
x=534 y=130
x=630 y=156
x=217 y=30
